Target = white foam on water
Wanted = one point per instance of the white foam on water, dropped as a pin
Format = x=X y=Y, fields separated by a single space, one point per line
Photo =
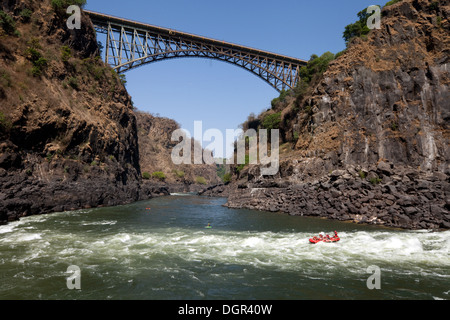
x=409 y=252
x=30 y=237
x=7 y=228
x=290 y=251
x=18 y=238
x=183 y=194
x=12 y=226
x=100 y=223
x=293 y=251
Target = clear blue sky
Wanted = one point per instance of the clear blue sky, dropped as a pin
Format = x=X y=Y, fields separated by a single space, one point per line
x=220 y=94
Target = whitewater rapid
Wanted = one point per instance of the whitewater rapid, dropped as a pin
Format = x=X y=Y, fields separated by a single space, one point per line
x=112 y=249
x=286 y=251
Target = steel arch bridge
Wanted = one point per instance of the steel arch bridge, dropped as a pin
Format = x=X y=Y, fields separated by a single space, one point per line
x=131 y=44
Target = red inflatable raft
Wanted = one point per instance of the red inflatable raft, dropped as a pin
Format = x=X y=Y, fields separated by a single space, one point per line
x=318 y=239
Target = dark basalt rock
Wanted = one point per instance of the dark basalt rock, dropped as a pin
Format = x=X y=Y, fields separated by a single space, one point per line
x=373 y=136
x=380 y=204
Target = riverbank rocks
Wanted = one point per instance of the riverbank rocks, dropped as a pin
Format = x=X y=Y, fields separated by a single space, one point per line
x=412 y=200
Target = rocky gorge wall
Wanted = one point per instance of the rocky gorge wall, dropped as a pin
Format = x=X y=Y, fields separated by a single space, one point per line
x=373 y=134
x=155 y=148
x=68 y=133
x=387 y=97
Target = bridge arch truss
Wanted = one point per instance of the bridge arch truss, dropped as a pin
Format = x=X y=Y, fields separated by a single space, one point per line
x=131 y=44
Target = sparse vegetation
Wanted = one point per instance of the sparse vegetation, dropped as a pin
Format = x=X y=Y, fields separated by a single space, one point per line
x=34 y=54
x=59 y=5
x=240 y=167
x=179 y=174
x=362 y=174
x=4 y=122
x=5 y=79
x=394 y=126
x=227 y=177
x=146 y=175
x=26 y=14
x=392 y=2
x=272 y=121
x=66 y=53
x=8 y=24
x=159 y=175
x=123 y=79
x=73 y=82
x=38 y=66
x=98 y=72
x=375 y=181
x=281 y=98
x=357 y=29
x=200 y=180
x=253 y=122
x=316 y=67
x=434 y=6
x=308 y=110
x=50 y=157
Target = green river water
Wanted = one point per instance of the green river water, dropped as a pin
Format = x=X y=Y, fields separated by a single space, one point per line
x=159 y=249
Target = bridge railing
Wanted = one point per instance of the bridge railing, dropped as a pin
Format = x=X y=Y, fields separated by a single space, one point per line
x=131 y=44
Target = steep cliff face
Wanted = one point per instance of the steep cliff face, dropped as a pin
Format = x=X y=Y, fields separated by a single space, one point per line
x=387 y=97
x=371 y=139
x=155 y=147
x=68 y=134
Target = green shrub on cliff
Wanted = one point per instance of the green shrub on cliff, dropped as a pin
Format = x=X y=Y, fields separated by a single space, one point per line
x=5 y=79
x=8 y=24
x=200 y=180
x=26 y=14
x=73 y=82
x=392 y=2
x=5 y=123
x=241 y=166
x=180 y=174
x=38 y=66
x=316 y=66
x=159 y=175
x=2 y=119
x=146 y=175
x=64 y=4
x=272 y=121
x=227 y=177
x=66 y=53
x=357 y=29
x=281 y=98
x=34 y=54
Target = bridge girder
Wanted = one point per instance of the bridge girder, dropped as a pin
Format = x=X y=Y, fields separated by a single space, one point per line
x=131 y=44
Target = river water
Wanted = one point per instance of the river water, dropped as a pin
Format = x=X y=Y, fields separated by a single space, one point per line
x=160 y=249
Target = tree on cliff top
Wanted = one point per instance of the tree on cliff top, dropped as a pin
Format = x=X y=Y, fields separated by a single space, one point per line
x=63 y=4
x=357 y=29
x=316 y=66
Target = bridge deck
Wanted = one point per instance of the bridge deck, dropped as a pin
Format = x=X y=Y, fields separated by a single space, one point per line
x=131 y=44
x=103 y=19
